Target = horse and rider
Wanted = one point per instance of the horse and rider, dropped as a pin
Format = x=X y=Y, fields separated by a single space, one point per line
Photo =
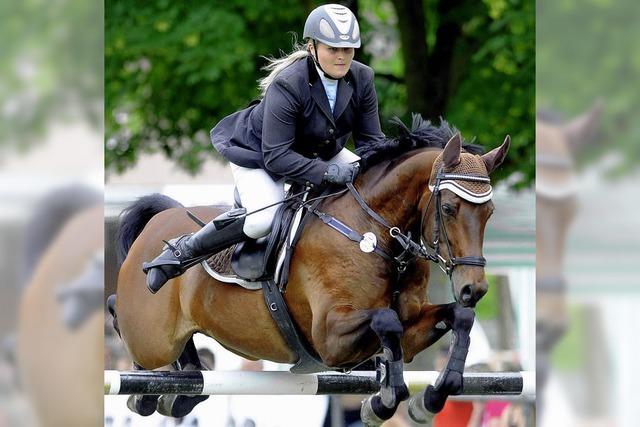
x=357 y=280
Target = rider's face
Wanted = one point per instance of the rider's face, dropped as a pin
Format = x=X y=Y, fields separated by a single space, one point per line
x=335 y=61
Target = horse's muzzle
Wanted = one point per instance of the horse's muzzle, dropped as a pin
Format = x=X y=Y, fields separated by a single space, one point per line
x=470 y=294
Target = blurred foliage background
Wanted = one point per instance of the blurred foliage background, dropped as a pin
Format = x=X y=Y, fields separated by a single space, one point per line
x=51 y=68
x=595 y=59
x=174 y=69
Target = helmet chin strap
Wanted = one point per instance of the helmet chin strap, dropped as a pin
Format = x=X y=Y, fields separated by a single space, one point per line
x=315 y=59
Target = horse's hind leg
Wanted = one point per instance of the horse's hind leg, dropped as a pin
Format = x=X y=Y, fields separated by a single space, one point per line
x=178 y=406
x=144 y=405
x=382 y=405
x=421 y=406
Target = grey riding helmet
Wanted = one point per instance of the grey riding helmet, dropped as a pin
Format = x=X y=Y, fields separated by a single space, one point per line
x=334 y=25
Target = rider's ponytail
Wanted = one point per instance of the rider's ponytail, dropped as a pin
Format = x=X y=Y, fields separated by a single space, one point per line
x=275 y=66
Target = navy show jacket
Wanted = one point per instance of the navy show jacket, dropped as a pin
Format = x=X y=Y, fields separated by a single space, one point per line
x=292 y=132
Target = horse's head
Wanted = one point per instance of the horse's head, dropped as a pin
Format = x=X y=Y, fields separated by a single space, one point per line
x=557 y=142
x=456 y=208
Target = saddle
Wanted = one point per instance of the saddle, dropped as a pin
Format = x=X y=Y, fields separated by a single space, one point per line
x=253 y=262
x=264 y=264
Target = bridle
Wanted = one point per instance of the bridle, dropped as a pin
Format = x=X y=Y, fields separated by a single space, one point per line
x=447 y=265
x=411 y=249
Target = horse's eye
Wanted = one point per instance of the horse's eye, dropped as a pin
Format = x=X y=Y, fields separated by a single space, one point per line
x=448 y=210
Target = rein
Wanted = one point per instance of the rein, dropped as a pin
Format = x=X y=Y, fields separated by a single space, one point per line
x=411 y=250
x=368 y=241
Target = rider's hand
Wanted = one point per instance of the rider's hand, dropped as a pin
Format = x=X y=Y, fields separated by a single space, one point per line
x=340 y=173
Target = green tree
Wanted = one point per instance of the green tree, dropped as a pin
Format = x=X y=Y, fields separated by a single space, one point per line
x=51 y=68
x=175 y=69
x=587 y=51
x=474 y=64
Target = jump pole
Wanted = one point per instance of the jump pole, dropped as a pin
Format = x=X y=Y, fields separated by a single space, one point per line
x=481 y=385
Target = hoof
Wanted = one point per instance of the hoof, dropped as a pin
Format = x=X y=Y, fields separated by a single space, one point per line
x=178 y=405
x=434 y=399
x=142 y=405
x=367 y=414
x=373 y=412
x=417 y=411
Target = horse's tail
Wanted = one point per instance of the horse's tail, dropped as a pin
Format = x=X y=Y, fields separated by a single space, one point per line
x=134 y=218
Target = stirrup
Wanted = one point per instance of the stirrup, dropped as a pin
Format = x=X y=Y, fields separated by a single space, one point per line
x=184 y=265
x=146 y=266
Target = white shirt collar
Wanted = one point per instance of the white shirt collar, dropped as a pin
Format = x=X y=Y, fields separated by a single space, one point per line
x=325 y=80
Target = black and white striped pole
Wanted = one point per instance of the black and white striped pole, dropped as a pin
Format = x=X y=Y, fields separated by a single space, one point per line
x=475 y=385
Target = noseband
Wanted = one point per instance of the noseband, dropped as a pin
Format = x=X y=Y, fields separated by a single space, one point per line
x=448 y=265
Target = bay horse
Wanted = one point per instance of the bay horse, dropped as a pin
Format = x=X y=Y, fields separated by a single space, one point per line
x=344 y=301
x=557 y=143
x=60 y=347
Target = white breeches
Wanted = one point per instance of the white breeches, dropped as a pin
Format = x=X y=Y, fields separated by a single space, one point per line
x=257 y=189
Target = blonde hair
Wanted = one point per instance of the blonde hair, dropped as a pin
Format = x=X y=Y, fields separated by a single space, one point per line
x=275 y=66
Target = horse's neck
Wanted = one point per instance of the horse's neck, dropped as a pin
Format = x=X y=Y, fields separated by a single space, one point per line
x=396 y=194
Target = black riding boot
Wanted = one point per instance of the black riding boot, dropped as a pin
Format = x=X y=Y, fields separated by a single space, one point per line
x=187 y=250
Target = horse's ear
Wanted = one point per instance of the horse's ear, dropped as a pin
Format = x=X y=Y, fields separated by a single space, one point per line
x=495 y=157
x=582 y=129
x=451 y=152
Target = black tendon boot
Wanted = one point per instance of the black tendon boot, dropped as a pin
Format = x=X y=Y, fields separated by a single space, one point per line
x=187 y=250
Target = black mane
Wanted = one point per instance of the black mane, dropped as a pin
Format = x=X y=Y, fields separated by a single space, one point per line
x=423 y=134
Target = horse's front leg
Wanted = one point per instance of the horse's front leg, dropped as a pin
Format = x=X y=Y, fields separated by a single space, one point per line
x=353 y=327
x=460 y=320
x=425 y=328
x=382 y=405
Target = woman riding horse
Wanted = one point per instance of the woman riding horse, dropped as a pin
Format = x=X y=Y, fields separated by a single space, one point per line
x=313 y=101
x=428 y=200
x=346 y=301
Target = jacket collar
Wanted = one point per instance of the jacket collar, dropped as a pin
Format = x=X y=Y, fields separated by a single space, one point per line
x=345 y=90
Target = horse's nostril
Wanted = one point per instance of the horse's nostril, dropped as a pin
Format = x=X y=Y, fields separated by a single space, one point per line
x=466 y=294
